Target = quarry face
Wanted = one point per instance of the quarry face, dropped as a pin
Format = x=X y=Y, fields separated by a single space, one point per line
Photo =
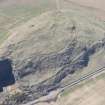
x=49 y=52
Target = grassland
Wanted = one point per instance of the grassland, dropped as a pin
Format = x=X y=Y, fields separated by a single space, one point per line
x=90 y=92
x=3 y=36
x=14 y=13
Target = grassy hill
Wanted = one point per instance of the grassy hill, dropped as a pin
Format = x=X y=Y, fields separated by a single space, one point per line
x=14 y=13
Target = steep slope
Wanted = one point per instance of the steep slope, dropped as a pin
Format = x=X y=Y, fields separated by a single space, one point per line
x=51 y=51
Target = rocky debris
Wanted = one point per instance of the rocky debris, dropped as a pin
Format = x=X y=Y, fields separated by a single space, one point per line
x=61 y=59
x=68 y=67
x=76 y=48
x=56 y=60
x=51 y=97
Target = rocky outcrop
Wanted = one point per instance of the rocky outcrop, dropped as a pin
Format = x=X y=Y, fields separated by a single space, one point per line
x=71 y=60
x=55 y=45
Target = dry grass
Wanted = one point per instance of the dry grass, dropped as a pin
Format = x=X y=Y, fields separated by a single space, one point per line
x=90 y=92
x=13 y=13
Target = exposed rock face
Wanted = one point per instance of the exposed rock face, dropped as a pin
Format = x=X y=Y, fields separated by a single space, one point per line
x=57 y=43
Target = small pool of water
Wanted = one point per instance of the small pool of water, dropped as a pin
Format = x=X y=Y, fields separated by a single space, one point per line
x=6 y=75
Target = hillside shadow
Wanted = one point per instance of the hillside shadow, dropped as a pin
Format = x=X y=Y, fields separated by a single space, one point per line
x=6 y=76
